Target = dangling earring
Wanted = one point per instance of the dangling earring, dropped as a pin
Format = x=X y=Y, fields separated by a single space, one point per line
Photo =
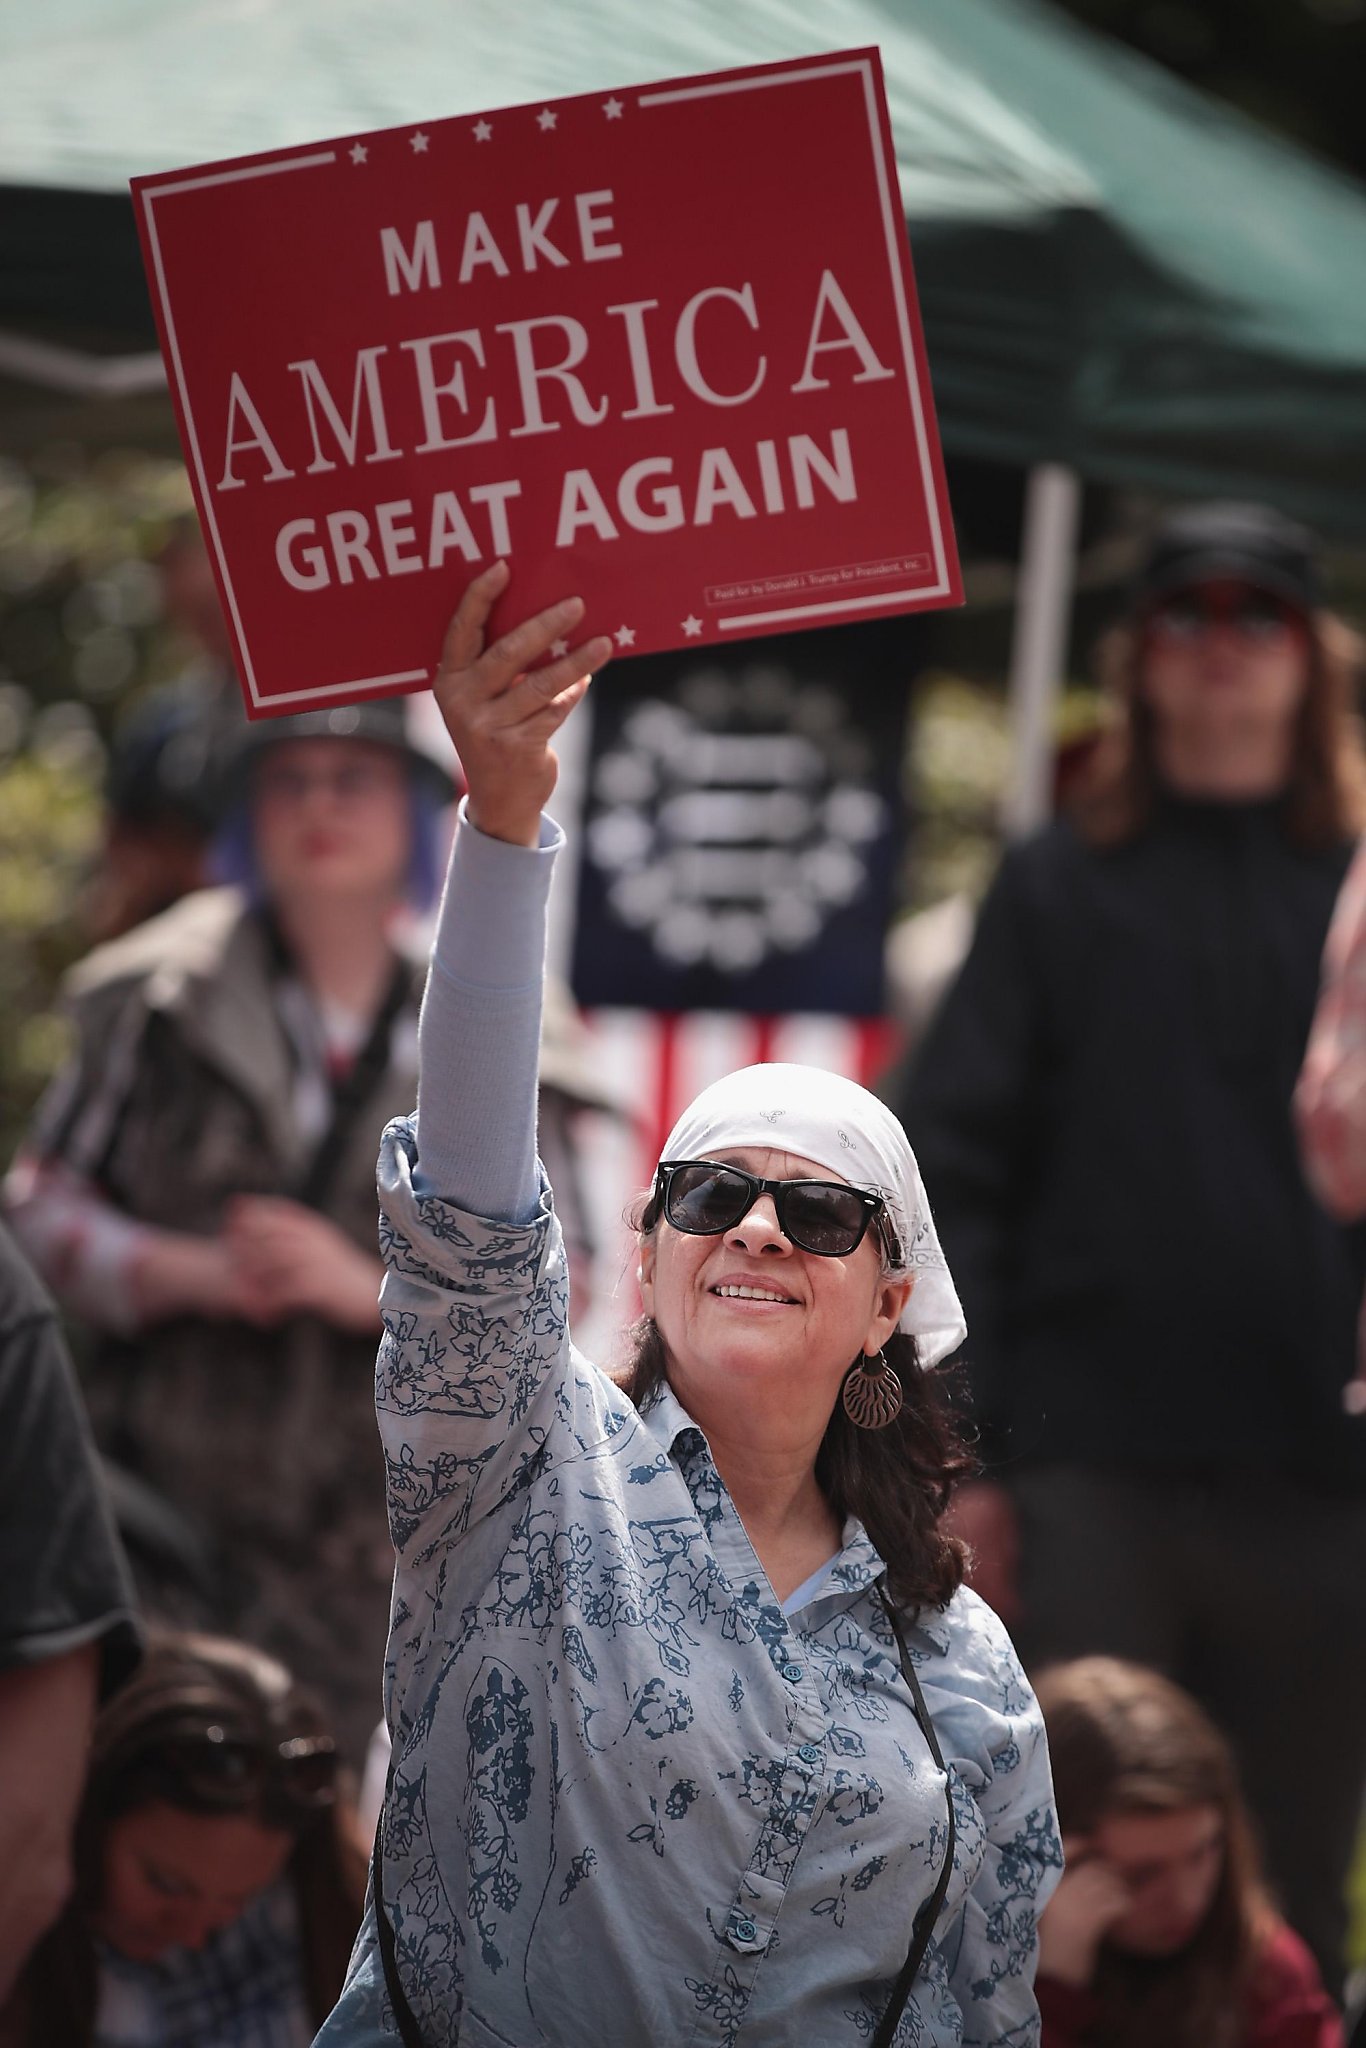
x=872 y=1393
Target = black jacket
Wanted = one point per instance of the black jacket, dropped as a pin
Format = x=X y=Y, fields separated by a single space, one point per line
x=1101 y=1111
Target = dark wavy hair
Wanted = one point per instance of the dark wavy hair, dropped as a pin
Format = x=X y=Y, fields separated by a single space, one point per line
x=898 y=1481
x=1125 y=1740
x=186 y=1681
x=1325 y=799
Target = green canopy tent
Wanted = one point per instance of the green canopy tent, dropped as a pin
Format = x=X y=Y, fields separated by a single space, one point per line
x=1120 y=280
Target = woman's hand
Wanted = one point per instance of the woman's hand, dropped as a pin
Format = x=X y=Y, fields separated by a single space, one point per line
x=1090 y=1899
x=291 y=1261
x=174 y=1274
x=502 y=713
x=273 y=1258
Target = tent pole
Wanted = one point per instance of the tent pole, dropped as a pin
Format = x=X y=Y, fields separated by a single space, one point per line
x=1042 y=609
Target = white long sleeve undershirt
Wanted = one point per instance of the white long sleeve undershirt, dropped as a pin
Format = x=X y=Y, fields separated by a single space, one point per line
x=479 y=1035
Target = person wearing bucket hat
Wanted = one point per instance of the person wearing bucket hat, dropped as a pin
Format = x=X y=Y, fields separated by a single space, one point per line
x=383 y=722
x=1163 y=1318
x=695 y=1734
x=199 y=1183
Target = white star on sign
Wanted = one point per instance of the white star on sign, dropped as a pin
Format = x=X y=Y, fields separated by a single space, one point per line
x=359 y=153
x=625 y=636
x=612 y=108
x=692 y=626
x=482 y=130
x=418 y=143
x=546 y=119
x=559 y=647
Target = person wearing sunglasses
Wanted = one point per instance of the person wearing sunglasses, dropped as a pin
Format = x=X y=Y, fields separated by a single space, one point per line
x=1163 y=1318
x=197 y=1184
x=219 y=1882
x=198 y=1187
x=695 y=1734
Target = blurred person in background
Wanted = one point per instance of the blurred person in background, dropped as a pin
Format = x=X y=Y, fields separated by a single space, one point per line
x=158 y=809
x=219 y=1882
x=67 y=1629
x=158 y=815
x=1330 y=1100
x=1163 y=1317
x=1330 y=1105
x=199 y=1184
x=1161 y=1933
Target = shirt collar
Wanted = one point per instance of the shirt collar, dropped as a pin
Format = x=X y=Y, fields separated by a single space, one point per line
x=667 y=1418
x=858 y=1565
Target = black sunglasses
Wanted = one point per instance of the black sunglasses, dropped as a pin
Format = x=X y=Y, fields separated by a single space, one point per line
x=229 y=1771
x=703 y=1198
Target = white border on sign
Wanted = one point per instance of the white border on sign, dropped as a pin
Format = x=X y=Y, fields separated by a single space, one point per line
x=148 y=194
x=735 y=622
x=894 y=227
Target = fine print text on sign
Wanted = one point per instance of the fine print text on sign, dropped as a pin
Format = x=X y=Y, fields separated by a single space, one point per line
x=658 y=346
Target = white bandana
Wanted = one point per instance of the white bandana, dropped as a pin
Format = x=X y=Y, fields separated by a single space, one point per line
x=841 y=1127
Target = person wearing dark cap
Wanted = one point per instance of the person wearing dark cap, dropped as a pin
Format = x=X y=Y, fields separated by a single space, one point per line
x=158 y=818
x=1163 y=1318
x=199 y=1183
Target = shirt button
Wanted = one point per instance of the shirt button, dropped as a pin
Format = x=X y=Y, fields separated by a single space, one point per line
x=743 y=1930
x=792 y=1672
x=809 y=1753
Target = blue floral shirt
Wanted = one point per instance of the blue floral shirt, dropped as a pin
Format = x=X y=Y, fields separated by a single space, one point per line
x=633 y=1802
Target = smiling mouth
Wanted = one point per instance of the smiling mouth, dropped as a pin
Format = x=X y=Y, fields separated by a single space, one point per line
x=735 y=1293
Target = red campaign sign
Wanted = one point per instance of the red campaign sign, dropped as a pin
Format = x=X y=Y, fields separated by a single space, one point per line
x=659 y=346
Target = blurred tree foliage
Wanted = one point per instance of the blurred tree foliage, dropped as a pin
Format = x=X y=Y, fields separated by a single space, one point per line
x=956 y=773
x=1296 y=65
x=81 y=636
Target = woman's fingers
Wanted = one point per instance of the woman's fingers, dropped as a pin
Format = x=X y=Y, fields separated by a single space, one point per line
x=503 y=704
x=516 y=651
x=559 y=708
x=482 y=671
x=464 y=641
x=540 y=690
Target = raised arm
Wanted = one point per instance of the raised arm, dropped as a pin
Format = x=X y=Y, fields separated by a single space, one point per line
x=481 y=1017
x=474 y=1371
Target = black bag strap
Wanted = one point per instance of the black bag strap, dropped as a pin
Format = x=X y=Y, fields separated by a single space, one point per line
x=353 y=1091
x=922 y=1927
x=404 y=2017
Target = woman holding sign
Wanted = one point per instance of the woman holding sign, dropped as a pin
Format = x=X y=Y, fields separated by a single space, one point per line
x=696 y=1735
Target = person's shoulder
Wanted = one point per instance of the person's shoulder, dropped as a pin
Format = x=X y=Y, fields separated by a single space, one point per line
x=976 y=1659
x=190 y=939
x=23 y=1298
x=1287 y=2003
x=1286 y=1968
x=987 y=1718
x=973 y=1631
